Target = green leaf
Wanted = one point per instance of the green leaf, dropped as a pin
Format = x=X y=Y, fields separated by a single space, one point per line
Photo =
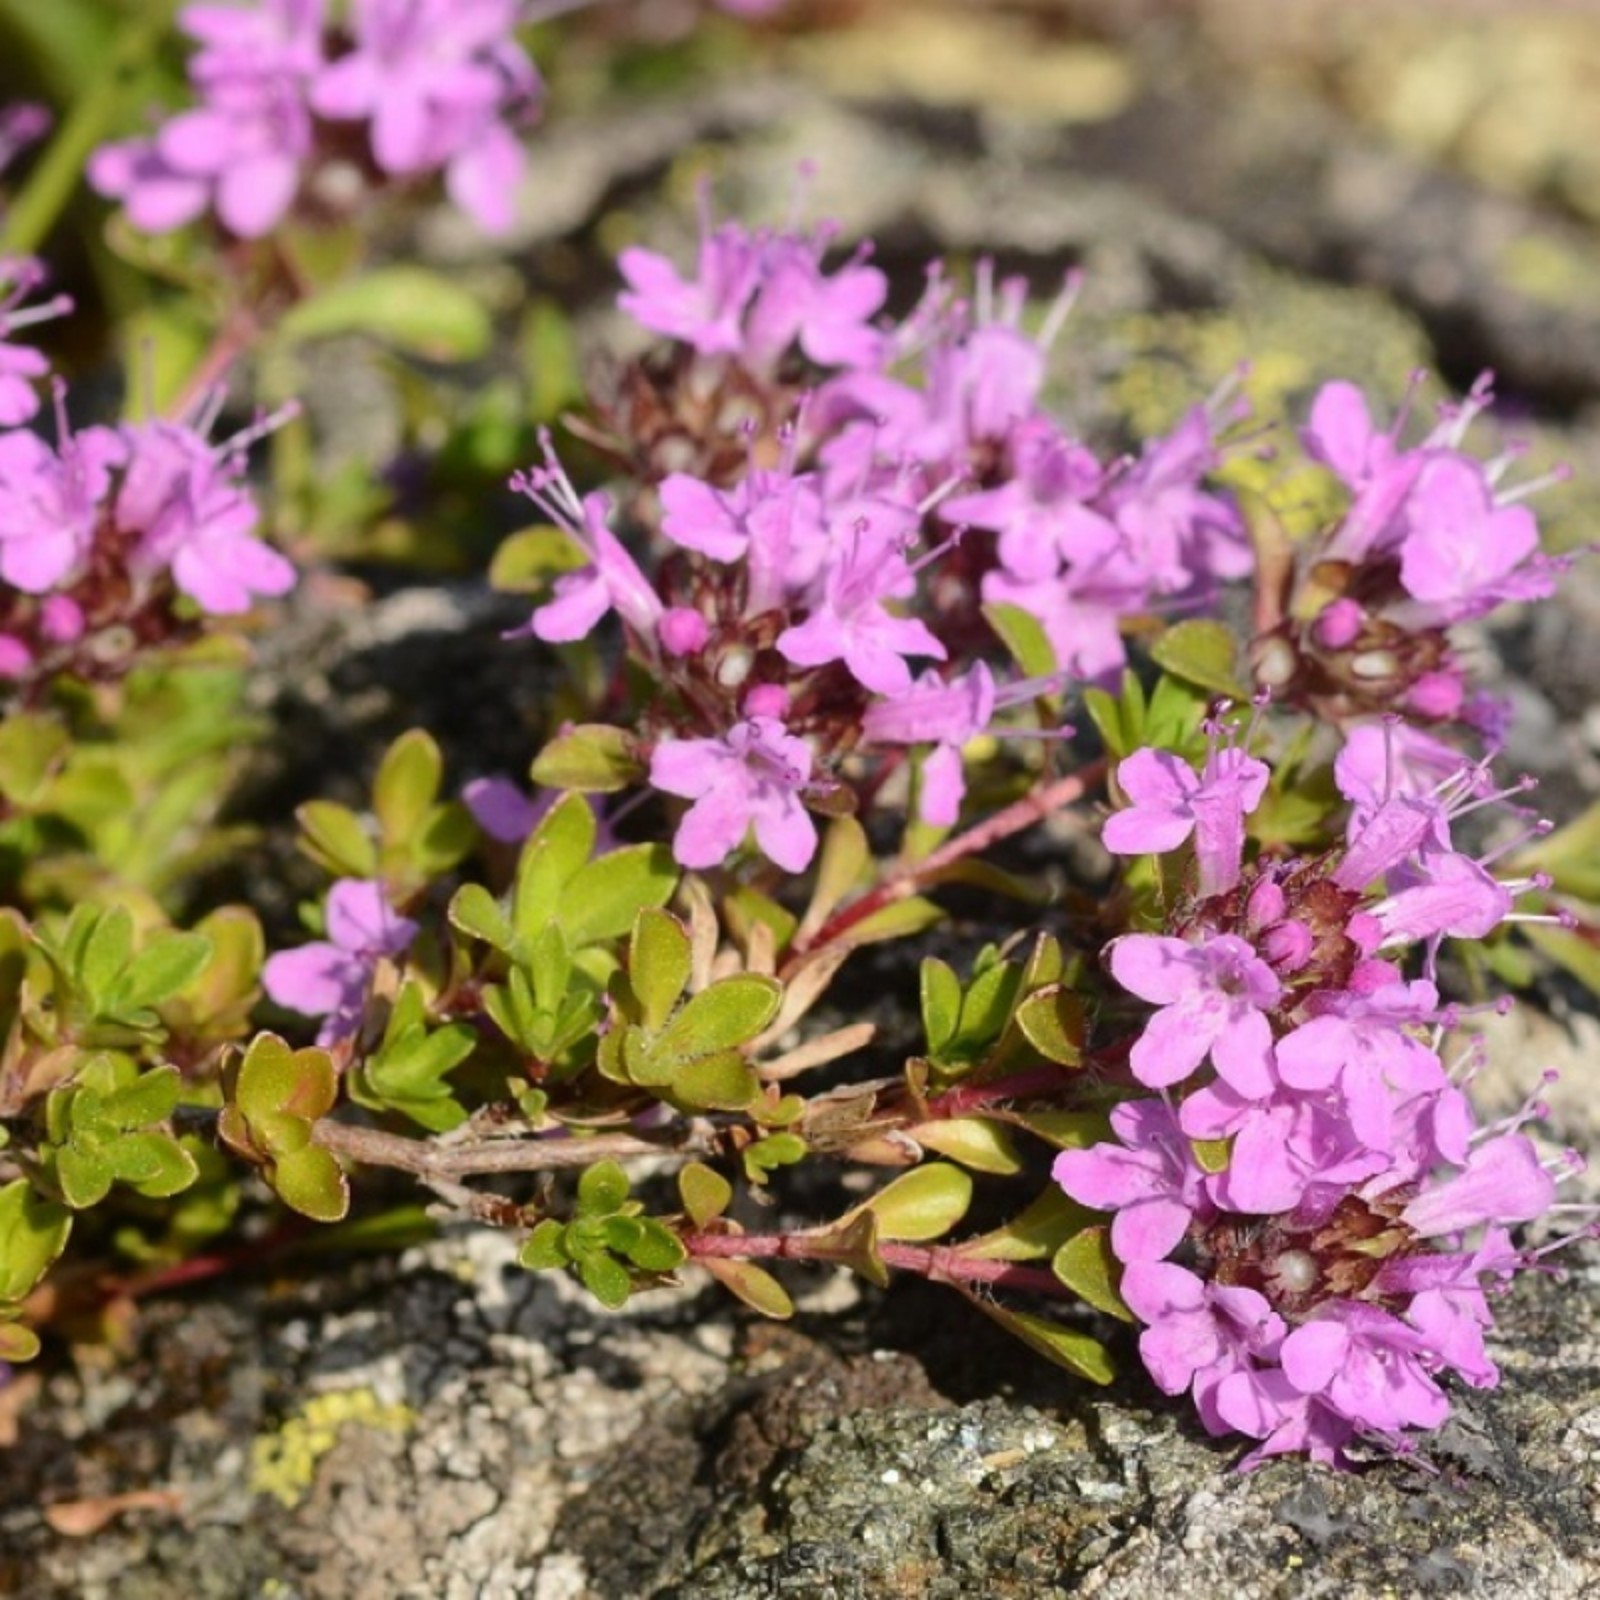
x=729 y=1013
x=745 y=908
x=106 y=952
x=1066 y=1130
x=17 y=1344
x=447 y=835
x=602 y=1190
x=976 y=1142
x=923 y=1204
x=843 y=861
x=311 y=1182
x=1023 y=635
x=1066 y=1347
x=529 y=561
x=941 y=1003
x=1038 y=1231
x=274 y=1078
x=601 y=900
x=544 y=1248
x=756 y=1287
x=167 y=964
x=1202 y=652
x=153 y=1164
x=85 y=1177
x=657 y=1248
x=150 y=1098
x=334 y=837
x=1052 y=1021
x=706 y=1194
x=900 y=920
x=985 y=1008
x=721 y=1082
x=476 y=913
x=551 y=856
x=420 y=312
x=33 y=1233
x=1212 y=1155
x=1579 y=955
x=606 y=1279
x=1087 y=1266
x=31 y=744
x=594 y=758
x=406 y=785
x=658 y=965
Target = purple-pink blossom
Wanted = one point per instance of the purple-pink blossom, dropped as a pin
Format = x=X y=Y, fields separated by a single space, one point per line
x=330 y=978
x=754 y=777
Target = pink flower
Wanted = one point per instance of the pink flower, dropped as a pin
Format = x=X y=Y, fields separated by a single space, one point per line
x=330 y=978
x=945 y=713
x=1503 y=1182
x=1170 y=802
x=436 y=80
x=752 y=778
x=21 y=366
x=1213 y=998
x=51 y=502
x=1151 y=1182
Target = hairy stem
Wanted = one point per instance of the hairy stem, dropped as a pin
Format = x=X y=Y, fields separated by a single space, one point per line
x=905 y=880
x=937 y=1263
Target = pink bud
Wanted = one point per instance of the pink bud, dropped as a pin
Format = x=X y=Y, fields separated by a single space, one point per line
x=1338 y=625
x=683 y=631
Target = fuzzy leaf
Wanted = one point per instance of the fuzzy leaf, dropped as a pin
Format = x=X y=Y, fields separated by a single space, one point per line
x=333 y=836
x=153 y=1164
x=1051 y=1019
x=1202 y=652
x=551 y=856
x=30 y=746
x=756 y=1287
x=17 y=1344
x=977 y=1142
x=925 y=1203
x=33 y=1232
x=476 y=913
x=85 y=1176
x=1066 y=1130
x=406 y=785
x=167 y=964
x=842 y=862
x=1066 y=1347
x=1023 y=635
x=1086 y=1265
x=421 y=312
x=602 y=899
x=730 y=1013
x=941 y=1003
x=606 y=1279
x=592 y=759
x=658 y=965
x=311 y=1182
x=705 y=1193
x=106 y=952
x=150 y=1098
x=897 y=921
x=544 y=1249
x=602 y=1190
x=273 y=1078
x=529 y=560
x=1036 y=1232
x=720 y=1082
x=657 y=1248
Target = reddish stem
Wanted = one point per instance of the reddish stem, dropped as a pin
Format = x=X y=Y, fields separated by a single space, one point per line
x=963 y=1100
x=937 y=1263
x=904 y=881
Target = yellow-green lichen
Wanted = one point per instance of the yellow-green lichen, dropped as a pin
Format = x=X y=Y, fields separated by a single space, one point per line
x=283 y=1464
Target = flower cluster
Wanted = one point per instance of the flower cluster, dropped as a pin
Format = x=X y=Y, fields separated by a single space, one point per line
x=1307 y=1216
x=437 y=86
x=1431 y=536
x=818 y=601
x=98 y=530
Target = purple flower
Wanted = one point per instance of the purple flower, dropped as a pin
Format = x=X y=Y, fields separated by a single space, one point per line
x=1150 y=1182
x=330 y=978
x=1503 y=1182
x=1170 y=802
x=501 y=809
x=611 y=582
x=51 y=503
x=945 y=713
x=21 y=366
x=1368 y=1365
x=243 y=148
x=1198 y=1334
x=752 y=778
x=436 y=80
x=182 y=503
x=1213 y=998
x=848 y=620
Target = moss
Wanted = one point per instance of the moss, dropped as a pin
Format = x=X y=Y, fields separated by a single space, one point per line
x=283 y=1464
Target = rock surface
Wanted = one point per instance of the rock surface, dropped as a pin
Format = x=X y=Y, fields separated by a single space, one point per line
x=444 y=1425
